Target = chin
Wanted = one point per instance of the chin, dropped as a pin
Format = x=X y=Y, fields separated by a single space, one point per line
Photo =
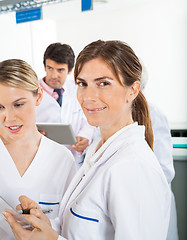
x=94 y=123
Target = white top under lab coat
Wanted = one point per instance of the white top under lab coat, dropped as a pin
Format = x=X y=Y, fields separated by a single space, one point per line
x=69 y=113
x=45 y=181
x=120 y=192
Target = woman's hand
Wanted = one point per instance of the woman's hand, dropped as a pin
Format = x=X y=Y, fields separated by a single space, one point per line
x=40 y=222
x=27 y=203
x=41 y=230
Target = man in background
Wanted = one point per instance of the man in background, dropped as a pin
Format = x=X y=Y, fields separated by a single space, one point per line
x=59 y=104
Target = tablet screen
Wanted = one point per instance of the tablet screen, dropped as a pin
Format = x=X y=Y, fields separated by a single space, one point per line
x=61 y=133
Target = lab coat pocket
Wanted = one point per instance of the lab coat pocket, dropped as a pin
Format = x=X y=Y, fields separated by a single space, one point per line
x=83 y=219
x=51 y=202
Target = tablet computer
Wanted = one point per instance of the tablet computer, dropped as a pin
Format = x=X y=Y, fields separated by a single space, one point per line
x=4 y=227
x=61 y=133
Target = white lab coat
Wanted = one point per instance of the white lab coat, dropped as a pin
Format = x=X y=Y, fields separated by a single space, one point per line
x=45 y=181
x=69 y=113
x=162 y=144
x=124 y=194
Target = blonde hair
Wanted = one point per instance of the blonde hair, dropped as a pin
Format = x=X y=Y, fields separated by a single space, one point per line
x=17 y=73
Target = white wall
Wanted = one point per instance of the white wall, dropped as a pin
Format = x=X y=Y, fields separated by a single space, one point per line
x=156 y=30
x=26 y=41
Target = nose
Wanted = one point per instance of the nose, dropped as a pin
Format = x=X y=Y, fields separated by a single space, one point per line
x=10 y=115
x=54 y=74
x=90 y=93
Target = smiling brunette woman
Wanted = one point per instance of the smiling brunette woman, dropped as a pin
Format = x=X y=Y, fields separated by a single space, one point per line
x=28 y=159
x=120 y=192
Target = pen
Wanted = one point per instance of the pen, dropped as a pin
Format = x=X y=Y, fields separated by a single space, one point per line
x=27 y=211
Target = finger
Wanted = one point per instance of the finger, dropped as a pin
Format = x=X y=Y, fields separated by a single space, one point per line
x=82 y=144
x=36 y=222
x=74 y=145
x=19 y=207
x=81 y=147
x=78 y=138
x=27 y=203
x=15 y=226
x=39 y=214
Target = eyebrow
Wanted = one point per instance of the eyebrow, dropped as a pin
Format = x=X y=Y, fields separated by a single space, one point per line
x=17 y=100
x=48 y=66
x=96 y=79
x=61 y=68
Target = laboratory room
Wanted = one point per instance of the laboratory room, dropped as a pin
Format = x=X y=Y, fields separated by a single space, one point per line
x=156 y=30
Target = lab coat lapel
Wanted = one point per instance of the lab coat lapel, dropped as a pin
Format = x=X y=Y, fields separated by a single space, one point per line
x=72 y=187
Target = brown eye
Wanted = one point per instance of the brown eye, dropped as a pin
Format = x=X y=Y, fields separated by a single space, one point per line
x=18 y=104
x=81 y=84
x=104 y=83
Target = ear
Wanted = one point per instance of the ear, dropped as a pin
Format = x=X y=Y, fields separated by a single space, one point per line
x=39 y=96
x=134 y=90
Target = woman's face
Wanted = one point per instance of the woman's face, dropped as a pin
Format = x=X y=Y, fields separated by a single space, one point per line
x=17 y=112
x=105 y=102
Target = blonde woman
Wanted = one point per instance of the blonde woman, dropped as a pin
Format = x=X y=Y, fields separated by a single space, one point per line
x=30 y=163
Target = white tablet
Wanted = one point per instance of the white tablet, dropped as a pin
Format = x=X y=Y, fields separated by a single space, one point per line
x=61 y=133
x=4 y=227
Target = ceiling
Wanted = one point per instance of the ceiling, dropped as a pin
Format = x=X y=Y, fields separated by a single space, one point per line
x=4 y=3
x=9 y=2
x=17 y=5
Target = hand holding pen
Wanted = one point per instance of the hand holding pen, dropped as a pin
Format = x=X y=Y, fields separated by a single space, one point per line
x=32 y=210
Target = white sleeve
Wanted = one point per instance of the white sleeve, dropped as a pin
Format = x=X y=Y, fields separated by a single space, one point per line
x=162 y=144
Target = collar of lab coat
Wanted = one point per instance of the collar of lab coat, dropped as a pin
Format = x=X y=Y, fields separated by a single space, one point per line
x=92 y=156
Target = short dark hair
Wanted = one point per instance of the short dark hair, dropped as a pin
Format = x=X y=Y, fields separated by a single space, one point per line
x=60 y=53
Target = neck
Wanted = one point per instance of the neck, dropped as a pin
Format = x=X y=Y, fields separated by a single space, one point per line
x=107 y=132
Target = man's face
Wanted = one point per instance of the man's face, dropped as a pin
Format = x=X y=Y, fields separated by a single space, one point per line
x=56 y=74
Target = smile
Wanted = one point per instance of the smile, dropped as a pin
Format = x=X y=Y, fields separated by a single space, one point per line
x=95 y=110
x=15 y=129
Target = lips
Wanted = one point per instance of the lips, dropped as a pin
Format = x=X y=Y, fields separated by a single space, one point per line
x=95 y=110
x=54 y=81
x=15 y=128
